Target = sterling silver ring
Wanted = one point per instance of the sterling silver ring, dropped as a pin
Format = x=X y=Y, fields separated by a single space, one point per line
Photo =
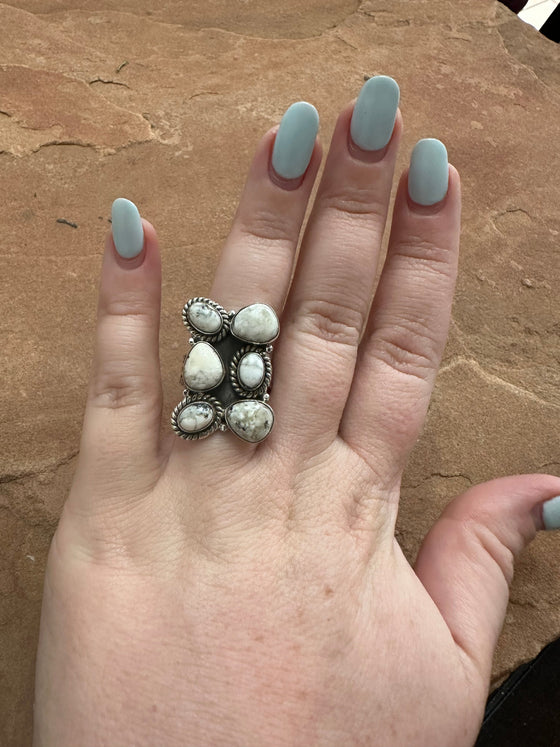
x=227 y=372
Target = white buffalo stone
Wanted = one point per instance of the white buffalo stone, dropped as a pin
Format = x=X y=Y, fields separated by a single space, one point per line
x=256 y=323
x=195 y=417
x=204 y=368
x=250 y=370
x=250 y=419
x=204 y=318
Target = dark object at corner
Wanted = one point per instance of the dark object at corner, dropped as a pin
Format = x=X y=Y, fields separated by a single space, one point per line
x=515 y=5
x=551 y=27
x=525 y=710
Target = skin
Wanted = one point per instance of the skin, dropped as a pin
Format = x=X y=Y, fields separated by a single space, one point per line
x=218 y=593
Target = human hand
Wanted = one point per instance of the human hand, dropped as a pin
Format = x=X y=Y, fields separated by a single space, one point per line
x=220 y=593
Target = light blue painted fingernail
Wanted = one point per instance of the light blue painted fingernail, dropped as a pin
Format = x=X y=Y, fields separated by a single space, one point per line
x=551 y=513
x=374 y=113
x=128 y=233
x=428 y=175
x=295 y=140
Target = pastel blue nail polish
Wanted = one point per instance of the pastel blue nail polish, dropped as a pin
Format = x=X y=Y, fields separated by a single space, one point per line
x=551 y=513
x=374 y=113
x=428 y=175
x=295 y=140
x=128 y=233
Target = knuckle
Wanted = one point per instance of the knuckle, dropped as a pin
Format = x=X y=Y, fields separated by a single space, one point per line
x=369 y=499
x=492 y=547
x=269 y=226
x=113 y=393
x=407 y=348
x=120 y=380
x=355 y=201
x=422 y=252
x=134 y=303
x=331 y=321
x=122 y=376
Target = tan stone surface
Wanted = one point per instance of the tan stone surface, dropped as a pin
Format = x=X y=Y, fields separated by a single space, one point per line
x=174 y=129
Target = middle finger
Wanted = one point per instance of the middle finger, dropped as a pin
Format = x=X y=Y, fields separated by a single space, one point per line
x=333 y=283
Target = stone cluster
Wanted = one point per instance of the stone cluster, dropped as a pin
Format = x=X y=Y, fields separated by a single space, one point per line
x=227 y=396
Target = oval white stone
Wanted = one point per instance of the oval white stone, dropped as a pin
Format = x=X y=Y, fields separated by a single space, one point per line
x=195 y=417
x=203 y=368
x=204 y=318
x=250 y=419
x=256 y=323
x=250 y=370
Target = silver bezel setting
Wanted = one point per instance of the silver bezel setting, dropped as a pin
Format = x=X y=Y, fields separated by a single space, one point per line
x=198 y=335
x=254 y=342
x=188 y=399
x=233 y=377
x=247 y=440
x=202 y=391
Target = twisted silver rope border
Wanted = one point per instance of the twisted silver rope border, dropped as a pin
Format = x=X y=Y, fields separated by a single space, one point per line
x=234 y=379
x=188 y=399
x=199 y=336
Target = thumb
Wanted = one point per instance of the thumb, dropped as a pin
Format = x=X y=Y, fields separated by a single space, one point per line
x=466 y=560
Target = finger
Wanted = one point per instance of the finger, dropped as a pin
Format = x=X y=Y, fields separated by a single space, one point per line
x=257 y=258
x=466 y=561
x=407 y=329
x=334 y=278
x=123 y=411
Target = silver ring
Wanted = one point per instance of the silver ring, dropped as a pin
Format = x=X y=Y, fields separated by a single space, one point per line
x=227 y=372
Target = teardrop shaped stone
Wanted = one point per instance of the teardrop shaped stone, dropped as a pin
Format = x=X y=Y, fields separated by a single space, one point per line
x=250 y=419
x=203 y=368
x=256 y=323
x=195 y=417
x=204 y=318
x=250 y=370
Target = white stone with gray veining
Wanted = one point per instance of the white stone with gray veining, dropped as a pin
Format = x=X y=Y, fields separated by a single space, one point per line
x=250 y=370
x=256 y=323
x=204 y=368
x=195 y=417
x=250 y=419
x=204 y=318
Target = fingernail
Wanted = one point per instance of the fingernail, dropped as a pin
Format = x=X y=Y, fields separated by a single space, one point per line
x=429 y=173
x=128 y=234
x=295 y=140
x=551 y=513
x=374 y=113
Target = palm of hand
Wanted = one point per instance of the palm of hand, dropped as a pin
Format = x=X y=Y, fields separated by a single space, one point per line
x=219 y=593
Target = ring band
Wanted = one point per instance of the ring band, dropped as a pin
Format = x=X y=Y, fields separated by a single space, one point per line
x=227 y=372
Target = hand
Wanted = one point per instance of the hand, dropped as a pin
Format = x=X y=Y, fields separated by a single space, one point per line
x=220 y=593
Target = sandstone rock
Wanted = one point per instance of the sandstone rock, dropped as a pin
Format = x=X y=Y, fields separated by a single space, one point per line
x=165 y=107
